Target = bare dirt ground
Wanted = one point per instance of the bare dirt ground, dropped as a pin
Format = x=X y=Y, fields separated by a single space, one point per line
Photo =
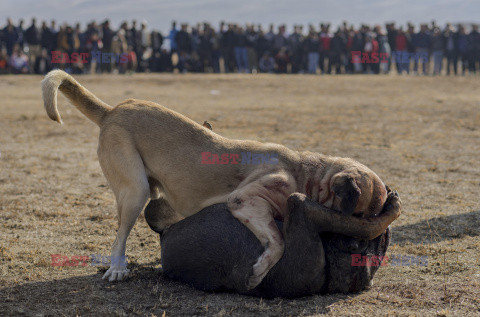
x=421 y=135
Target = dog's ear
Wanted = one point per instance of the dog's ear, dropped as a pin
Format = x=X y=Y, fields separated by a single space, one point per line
x=345 y=187
x=207 y=125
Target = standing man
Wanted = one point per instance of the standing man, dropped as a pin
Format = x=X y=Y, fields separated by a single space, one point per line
x=392 y=40
x=9 y=37
x=325 y=39
x=184 y=47
x=107 y=40
x=240 y=49
x=438 y=46
x=473 y=45
x=45 y=37
x=253 y=57
x=337 y=49
x=358 y=45
x=32 y=37
x=451 y=48
x=171 y=36
x=279 y=40
x=295 y=49
x=422 y=42
x=20 y=34
x=311 y=45
x=401 y=52
x=227 y=42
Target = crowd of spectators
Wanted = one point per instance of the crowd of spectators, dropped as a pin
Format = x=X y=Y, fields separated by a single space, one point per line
x=238 y=48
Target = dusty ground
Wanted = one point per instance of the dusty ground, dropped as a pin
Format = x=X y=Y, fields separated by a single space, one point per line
x=421 y=135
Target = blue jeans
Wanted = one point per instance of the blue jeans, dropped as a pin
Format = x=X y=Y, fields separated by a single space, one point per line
x=437 y=61
x=402 y=58
x=241 y=57
x=422 y=54
x=313 y=62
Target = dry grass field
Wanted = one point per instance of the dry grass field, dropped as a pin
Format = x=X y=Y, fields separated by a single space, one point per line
x=420 y=134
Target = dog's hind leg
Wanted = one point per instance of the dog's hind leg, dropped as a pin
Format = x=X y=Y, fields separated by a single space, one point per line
x=125 y=171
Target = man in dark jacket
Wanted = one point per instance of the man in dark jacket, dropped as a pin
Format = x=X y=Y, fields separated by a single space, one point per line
x=107 y=38
x=438 y=46
x=311 y=45
x=45 y=36
x=43 y=63
x=410 y=34
x=473 y=51
x=295 y=49
x=9 y=37
x=32 y=38
x=462 y=44
x=252 y=53
x=240 y=50
x=227 y=41
x=337 y=50
x=184 y=42
x=422 y=42
x=392 y=33
x=451 y=48
x=184 y=46
x=20 y=34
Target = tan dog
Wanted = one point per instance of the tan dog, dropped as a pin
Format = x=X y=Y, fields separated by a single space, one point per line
x=147 y=151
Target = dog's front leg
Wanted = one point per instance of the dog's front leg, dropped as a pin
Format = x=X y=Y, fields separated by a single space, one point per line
x=255 y=206
x=327 y=220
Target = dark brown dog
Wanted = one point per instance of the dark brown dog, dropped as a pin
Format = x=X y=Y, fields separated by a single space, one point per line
x=213 y=251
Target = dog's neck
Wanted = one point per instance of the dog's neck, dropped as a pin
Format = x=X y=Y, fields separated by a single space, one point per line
x=314 y=167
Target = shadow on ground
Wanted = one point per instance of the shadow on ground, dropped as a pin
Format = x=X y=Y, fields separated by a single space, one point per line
x=146 y=292
x=438 y=229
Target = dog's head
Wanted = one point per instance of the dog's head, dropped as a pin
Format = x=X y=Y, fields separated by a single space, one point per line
x=353 y=188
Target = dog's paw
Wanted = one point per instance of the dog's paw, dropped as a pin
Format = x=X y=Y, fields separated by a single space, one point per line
x=116 y=273
x=253 y=282
x=260 y=270
x=393 y=203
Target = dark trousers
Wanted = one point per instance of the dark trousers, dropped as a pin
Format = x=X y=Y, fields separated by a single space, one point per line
x=335 y=61
x=473 y=59
x=452 y=59
x=323 y=56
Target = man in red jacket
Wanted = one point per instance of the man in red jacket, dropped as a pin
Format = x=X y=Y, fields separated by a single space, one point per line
x=325 y=38
x=401 y=43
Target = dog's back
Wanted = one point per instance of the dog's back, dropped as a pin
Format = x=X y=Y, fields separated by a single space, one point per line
x=221 y=254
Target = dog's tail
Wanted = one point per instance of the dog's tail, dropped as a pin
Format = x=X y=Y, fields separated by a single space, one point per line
x=92 y=107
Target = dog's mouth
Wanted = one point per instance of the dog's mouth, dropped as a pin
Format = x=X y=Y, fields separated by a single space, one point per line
x=361 y=214
x=335 y=205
